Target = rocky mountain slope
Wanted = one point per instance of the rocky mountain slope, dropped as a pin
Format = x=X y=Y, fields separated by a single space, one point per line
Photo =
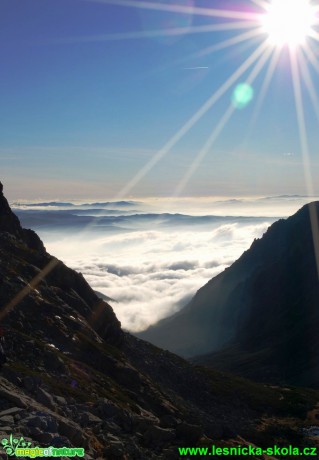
x=74 y=378
x=260 y=316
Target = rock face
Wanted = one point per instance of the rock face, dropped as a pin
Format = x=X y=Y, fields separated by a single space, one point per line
x=260 y=316
x=74 y=379
x=8 y=221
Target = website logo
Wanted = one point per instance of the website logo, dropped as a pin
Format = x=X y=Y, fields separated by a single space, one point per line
x=18 y=447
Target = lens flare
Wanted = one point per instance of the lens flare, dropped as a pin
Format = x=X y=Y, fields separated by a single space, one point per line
x=242 y=96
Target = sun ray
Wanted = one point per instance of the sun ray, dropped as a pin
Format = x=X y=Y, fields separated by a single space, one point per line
x=301 y=120
x=192 y=10
x=192 y=121
x=305 y=151
x=315 y=35
x=219 y=46
x=25 y=291
x=226 y=43
x=261 y=4
x=312 y=58
x=309 y=84
x=220 y=126
x=264 y=88
x=228 y=26
x=259 y=65
x=205 y=149
x=172 y=31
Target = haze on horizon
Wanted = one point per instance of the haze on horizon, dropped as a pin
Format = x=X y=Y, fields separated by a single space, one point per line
x=99 y=96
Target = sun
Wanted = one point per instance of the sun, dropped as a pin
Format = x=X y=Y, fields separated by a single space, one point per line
x=288 y=22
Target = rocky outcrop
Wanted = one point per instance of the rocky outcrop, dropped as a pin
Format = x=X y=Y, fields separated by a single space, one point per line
x=8 y=221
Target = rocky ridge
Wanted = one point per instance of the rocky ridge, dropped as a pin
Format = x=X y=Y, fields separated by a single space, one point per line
x=74 y=378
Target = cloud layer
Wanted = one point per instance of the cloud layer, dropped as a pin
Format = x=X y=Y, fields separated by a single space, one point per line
x=145 y=256
x=152 y=274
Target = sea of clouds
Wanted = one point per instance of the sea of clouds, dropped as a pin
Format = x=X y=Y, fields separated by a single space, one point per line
x=146 y=256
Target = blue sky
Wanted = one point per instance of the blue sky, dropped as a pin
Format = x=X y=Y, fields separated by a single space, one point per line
x=83 y=109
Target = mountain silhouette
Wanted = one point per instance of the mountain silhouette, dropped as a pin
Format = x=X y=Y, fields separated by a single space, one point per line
x=259 y=317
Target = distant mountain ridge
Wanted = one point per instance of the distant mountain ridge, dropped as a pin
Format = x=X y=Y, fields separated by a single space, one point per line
x=72 y=218
x=260 y=317
x=75 y=205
